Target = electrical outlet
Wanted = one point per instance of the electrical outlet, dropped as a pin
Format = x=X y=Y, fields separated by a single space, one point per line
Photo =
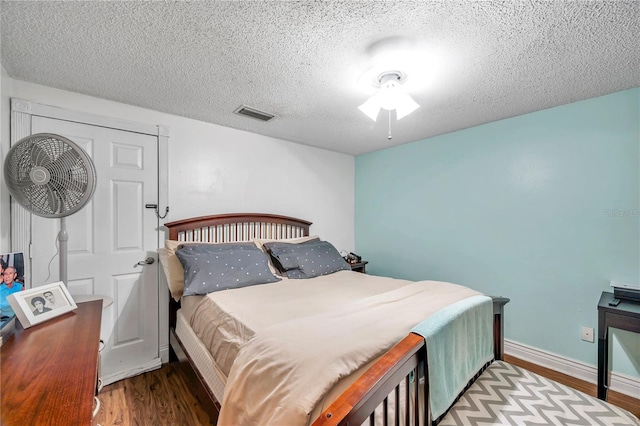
x=586 y=334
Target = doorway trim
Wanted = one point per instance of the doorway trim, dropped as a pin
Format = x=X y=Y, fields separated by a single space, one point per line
x=22 y=112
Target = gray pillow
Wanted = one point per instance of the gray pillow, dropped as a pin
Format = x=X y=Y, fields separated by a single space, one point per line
x=212 y=267
x=307 y=260
x=280 y=257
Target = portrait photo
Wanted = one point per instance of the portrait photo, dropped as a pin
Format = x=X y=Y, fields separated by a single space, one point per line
x=11 y=279
x=41 y=303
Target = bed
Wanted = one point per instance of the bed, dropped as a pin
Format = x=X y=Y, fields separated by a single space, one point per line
x=267 y=356
x=284 y=352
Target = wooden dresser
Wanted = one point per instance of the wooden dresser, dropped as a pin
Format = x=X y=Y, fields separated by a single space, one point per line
x=49 y=372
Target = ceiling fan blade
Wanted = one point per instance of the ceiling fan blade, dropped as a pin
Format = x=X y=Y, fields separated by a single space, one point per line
x=39 y=157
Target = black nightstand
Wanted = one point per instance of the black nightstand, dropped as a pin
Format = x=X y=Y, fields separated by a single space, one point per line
x=359 y=267
x=624 y=316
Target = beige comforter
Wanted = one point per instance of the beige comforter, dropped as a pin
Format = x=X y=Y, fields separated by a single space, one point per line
x=226 y=320
x=283 y=370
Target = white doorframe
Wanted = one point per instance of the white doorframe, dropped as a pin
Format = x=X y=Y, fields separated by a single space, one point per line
x=22 y=112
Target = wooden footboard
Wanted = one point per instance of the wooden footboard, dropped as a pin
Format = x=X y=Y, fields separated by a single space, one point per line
x=404 y=360
x=387 y=375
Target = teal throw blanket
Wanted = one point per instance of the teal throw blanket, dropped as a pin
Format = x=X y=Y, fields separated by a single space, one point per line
x=459 y=342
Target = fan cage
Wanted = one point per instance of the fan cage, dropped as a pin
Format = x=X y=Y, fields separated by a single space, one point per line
x=49 y=175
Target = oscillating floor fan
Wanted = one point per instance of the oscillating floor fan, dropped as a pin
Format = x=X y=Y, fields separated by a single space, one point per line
x=50 y=176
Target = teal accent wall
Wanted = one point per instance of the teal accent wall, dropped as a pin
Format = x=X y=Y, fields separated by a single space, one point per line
x=543 y=208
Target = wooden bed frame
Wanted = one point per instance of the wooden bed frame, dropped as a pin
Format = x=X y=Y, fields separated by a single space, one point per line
x=364 y=395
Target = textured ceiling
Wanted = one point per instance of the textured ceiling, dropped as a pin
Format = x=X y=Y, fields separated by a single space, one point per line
x=301 y=61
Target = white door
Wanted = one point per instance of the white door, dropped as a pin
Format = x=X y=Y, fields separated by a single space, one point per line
x=107 y=239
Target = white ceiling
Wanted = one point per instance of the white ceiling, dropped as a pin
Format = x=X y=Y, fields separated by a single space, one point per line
x=301 y=60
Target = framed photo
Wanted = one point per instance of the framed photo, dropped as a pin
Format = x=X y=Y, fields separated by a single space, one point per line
x=11 y=281
x=40 y=304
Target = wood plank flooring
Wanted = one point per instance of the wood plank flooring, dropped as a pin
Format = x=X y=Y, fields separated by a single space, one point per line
x=163 y=397
x=160 y=397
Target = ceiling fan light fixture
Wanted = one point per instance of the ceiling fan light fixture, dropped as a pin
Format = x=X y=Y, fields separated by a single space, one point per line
x=371 y=107
x=390 y=96
x=405 y=105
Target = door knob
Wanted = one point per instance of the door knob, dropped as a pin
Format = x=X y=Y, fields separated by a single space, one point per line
x=148 y=261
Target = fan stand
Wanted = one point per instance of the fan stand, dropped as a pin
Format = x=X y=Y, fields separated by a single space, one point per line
x=63 y=237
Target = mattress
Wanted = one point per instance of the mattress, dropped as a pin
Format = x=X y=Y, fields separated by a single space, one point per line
x=200 y=356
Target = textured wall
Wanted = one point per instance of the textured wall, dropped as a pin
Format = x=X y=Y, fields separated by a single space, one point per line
x=5 y=119
x=542 y=208
x=215 y=169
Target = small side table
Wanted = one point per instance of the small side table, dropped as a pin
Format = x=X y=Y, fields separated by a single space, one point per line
x=625 y=316
x=359 y=267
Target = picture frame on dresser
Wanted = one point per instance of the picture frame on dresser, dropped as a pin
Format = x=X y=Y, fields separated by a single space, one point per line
x=41 y=304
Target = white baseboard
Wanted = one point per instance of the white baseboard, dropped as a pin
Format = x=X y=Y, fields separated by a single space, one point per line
x=618 y=382
x=149 y=366
x=164 y=353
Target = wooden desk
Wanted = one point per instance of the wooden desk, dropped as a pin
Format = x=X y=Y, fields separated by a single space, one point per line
x=49 y=371
x=625 y=316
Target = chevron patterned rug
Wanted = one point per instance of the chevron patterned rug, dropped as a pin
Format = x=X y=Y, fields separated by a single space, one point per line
x=508 y=395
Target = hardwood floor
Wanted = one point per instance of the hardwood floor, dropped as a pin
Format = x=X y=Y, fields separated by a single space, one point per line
x=160 y=397
x=163 y=397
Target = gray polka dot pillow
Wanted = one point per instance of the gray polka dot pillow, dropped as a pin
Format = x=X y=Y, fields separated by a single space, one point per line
x=307 y=260
x=209 y=268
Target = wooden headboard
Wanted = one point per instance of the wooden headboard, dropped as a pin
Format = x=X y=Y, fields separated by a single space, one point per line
x=237 y=227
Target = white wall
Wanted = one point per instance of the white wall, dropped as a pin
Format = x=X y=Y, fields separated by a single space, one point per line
x=214 y=169
x=5 y=119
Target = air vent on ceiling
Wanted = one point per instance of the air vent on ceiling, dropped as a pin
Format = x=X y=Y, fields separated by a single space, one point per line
x=254 y=113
